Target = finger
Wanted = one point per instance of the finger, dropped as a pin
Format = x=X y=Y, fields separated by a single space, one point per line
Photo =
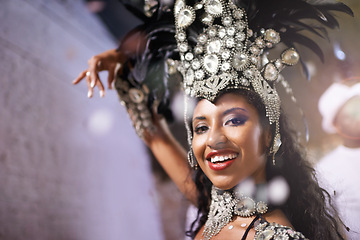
x=80 y=77
x=111 y=77
x=101 y=88
x=93 y=65
x=90 y=89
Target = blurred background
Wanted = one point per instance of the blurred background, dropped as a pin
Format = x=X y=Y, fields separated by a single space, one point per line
x=73 y=168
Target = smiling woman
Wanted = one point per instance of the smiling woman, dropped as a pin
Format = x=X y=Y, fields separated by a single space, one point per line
x=240 y=145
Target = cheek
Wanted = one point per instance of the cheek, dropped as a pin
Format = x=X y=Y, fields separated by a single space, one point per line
x=198 y=145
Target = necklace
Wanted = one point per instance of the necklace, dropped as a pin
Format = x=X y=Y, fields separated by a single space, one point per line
x=227 y=204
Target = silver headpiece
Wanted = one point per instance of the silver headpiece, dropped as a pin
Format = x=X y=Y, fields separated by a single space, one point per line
x=228 y=55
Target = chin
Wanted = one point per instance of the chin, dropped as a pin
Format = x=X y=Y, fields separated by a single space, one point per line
x=224 y=185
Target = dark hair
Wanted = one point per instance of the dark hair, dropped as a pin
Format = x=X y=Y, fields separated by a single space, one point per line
x=308 y=207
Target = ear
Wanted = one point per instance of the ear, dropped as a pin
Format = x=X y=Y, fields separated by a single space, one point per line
x=267 y=137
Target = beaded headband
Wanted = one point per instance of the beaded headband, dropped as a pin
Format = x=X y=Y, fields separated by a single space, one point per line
x=228 y=55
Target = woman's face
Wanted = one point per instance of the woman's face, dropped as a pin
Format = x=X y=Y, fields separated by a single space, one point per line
x=229 y=142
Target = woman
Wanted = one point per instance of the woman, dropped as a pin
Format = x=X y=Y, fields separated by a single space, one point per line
x=239 y=134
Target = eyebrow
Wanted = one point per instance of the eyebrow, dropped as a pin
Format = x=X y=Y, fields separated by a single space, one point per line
x=233 y=109
x=199 y=118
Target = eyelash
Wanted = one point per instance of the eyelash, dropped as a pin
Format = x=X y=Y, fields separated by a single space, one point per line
x=236 y=121
x=200 y=129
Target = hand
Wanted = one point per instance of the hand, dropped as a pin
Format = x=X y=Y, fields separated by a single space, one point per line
x=104 y=61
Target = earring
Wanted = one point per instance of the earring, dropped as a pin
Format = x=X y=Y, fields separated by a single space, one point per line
x=191 y=159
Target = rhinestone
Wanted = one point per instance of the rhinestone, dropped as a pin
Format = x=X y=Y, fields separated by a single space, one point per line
x=198 y=50
x=214 y=46
x=245 y=82
x=267 y=234
x=239 y=45
x=248 y=73
x=196 y=64
x=183 y=47
x=230 y=42
x=250 y=32
x=198 y=6
x=202 y=38
x=231 y=31
x=222 y=32
x=189 y=56
x=272 y=36
x=269 y=45
x=278 y=64
x=185 y=18
x=178 y=6
x=189 y=77
x=254 y=60
x=186 y=64
x=212 y=32
x=238 y=14
x=270 y=73
x=240 y=61
x=255 y=50
x=231 y=227
x=207 y=19
x=227 y=21
x=211 y=63
x=245 y=207
x=240 y=25
x=290 y=57
x=181 y=36
x=260 y=42
x=214 y=7
x=225 y=54
x=240 y=36
x=225 y=66
x=199 y=74
x=136 y=95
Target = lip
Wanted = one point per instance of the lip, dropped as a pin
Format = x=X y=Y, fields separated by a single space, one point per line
x=220 y=165
x=219 y=152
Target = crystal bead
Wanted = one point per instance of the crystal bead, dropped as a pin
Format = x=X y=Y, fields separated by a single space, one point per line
x=214 y=47
x=225 y=54
x=225 y=66
x=136 y=95
x=189 y=56
x=238 y=14
x=254 y=50
x=199 y=74
x=231 y=31
x=267 y=234
x=181 y=36
x=290 y=56
x=211 y=63
x=189 y=77
x=272 y=36
x=185 y=17
x=227 y=21
x=198 y=50
x=240 y=25
x=183 y=47
x=178 y=6
x=248 y=73
x=240 y=61
x=196 y=64
x=198 y=6
x=240 y=36
x=270 y=72
x=207 y=19
x=222 y=32
x=244 y=82
x=230 y=42
x=212 y=32
x=202 y=38
x=214 y=7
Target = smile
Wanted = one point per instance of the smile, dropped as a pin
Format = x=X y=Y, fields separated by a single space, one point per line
x=222 y=158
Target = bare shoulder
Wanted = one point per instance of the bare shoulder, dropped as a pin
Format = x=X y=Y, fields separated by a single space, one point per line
x=277 y=216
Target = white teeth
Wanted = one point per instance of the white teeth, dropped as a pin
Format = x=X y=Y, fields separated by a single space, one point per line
x=223 y=158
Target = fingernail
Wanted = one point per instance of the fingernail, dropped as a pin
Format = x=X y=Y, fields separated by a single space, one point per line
x=92 y=83
x=102 y=93
x=89 y=94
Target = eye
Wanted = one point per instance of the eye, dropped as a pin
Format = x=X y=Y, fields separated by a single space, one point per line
x=200 y=129
x=236 y=121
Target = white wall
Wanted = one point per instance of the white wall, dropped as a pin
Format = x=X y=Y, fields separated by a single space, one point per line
x=59 y=177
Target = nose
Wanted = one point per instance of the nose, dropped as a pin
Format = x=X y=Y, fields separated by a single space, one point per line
x=216 y=138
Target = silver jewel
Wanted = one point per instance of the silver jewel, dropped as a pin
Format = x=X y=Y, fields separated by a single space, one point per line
x=224 y=206
x=290 y=57
x=185 y=17
x=214 y=7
